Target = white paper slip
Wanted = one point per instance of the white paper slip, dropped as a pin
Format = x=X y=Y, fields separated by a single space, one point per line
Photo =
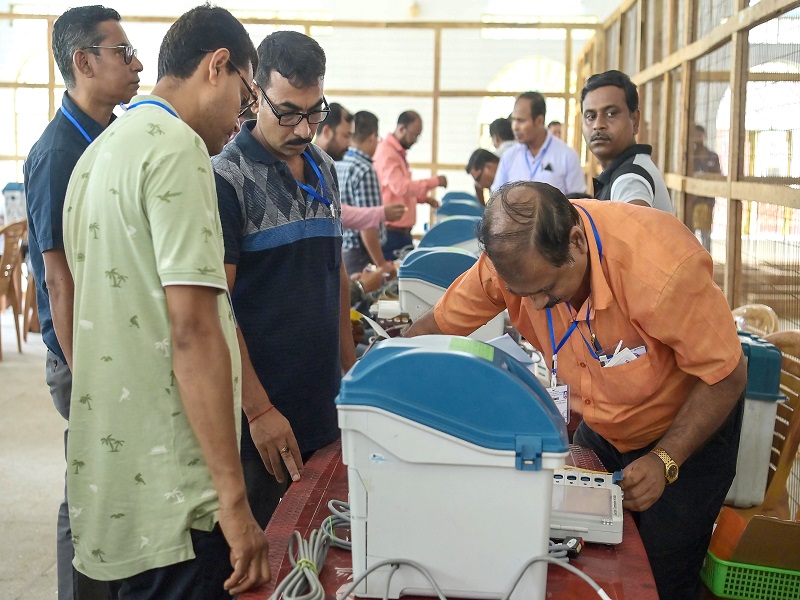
x=620 y=358
x=377 y=328
x=507 y=344
x=388 y=309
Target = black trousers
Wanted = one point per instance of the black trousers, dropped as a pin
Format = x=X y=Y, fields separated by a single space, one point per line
x=676 y=530
x=396 y=241
x=263 y=490
x=201 y=578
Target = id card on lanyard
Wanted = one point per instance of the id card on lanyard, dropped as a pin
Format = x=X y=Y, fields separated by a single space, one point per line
x=558 y=390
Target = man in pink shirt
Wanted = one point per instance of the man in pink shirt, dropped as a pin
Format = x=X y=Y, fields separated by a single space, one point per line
x=333 y=136
x=397 y=186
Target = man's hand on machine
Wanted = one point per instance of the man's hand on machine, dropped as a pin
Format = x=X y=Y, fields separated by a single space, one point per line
x=643 y=482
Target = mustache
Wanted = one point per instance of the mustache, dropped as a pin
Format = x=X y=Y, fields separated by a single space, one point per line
x=599 y=136
x=299 y=142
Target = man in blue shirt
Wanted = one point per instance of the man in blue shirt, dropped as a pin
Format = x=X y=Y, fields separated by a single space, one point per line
x=280 y=212
x=100 y=70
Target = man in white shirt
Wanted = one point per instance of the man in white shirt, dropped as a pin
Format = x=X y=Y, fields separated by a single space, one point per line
x=539 y=156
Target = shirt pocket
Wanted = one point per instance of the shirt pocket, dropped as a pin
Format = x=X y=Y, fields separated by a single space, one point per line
x=629 y=384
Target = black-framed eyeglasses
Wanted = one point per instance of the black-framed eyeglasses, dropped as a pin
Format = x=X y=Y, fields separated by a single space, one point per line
x=127 y=51
x=247 y=104
x=291 y=119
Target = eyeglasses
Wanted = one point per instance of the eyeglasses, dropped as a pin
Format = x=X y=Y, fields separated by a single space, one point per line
x=127 y=51
x=246 y=105
x=290 y=119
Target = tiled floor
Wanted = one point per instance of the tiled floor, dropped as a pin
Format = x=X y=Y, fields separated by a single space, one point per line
x=31 y=470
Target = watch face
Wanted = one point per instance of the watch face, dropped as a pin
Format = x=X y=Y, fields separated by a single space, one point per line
x=672 y=472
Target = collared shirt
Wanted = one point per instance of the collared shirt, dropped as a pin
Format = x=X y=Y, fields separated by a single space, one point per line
x=634 y=176
x=654 y=287
x=359 y=186
x=556 y=164
x=47 y=169
x=397 y=187
x=139 y=216
x=288 y=252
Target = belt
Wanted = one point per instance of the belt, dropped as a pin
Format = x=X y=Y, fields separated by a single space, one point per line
x=403 y=230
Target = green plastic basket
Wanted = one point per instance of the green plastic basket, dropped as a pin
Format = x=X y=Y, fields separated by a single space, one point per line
x=749 y=582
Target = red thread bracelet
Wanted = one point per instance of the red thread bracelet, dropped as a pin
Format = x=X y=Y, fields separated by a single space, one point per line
x=261 y=414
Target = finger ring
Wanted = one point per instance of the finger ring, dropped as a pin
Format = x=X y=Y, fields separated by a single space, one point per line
x=285 y=448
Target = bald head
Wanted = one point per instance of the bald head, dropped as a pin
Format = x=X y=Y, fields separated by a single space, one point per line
x=525 y=216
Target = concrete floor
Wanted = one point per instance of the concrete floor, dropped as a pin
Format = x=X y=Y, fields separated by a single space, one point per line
x=31 y=470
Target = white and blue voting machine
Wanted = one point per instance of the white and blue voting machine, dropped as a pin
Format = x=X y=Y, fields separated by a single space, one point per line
x=453 y=449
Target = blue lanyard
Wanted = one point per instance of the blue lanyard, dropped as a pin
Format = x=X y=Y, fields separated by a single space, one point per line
x=314 y=193
x=539 y=159
x=74 y=121
x=592 y=350
x=159 y=104
x=594 y=229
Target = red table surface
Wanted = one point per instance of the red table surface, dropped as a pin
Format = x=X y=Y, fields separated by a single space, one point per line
x=621 y=570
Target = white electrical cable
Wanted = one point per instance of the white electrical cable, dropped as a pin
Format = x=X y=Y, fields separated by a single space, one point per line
x=559 y=551
x=563 y=565
x=311 y=555
x=340 y=517
x=395 y=564
x=302 y=582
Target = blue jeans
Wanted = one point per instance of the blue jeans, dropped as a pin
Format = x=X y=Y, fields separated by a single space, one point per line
x=676 y=530
x=72 y=585
x=396 y=240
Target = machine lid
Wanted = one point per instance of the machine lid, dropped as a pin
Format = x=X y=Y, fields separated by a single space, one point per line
x=460 y=386
x=439 y=266
x=450 y=232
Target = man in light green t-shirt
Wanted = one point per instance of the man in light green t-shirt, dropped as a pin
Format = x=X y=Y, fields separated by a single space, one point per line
x=155 y=489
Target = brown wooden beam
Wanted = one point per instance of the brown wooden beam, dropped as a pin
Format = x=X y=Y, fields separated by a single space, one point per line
x=748 y=18
x=590 y=25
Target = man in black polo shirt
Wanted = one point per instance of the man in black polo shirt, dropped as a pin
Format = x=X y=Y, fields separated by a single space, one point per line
x=100 y=70
x=281 y=219
x=610 y=108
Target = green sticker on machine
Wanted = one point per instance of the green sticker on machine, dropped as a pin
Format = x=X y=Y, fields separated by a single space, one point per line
x=473 y=347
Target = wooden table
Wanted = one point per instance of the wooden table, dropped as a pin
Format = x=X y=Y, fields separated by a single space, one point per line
x=622 y=570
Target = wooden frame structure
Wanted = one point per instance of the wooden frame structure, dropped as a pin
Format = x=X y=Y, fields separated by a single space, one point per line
x=666 y=30
x=435 y=92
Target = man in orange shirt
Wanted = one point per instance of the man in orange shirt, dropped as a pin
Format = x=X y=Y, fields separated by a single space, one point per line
x=584 y=279
x=397 y=187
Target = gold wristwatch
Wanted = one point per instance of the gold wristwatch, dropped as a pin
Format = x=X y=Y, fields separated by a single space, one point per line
x=670 y=466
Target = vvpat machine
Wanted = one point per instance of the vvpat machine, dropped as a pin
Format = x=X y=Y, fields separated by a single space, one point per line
x=459 y=208
x=459 y=232
x=424 y=276
x=450 y=446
